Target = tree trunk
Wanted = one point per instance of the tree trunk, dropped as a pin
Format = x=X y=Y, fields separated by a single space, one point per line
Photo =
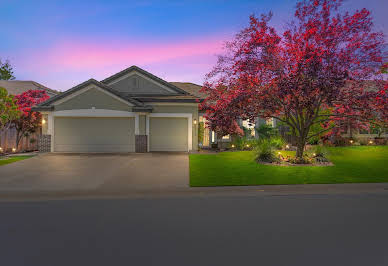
x=300 y=149
x=19 y=136
x=301 y=143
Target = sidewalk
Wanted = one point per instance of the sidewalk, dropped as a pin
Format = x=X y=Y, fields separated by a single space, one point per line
x=238 y=191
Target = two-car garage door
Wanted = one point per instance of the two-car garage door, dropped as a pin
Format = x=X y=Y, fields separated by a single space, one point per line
x=94 y=134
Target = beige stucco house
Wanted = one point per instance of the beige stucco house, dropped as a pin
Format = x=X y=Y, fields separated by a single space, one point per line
x=131 y=111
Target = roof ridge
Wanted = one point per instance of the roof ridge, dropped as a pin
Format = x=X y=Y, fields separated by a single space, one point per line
x=146 y=73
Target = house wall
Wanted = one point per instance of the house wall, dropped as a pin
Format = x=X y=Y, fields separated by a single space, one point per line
x=93 y=98
x=136 y=84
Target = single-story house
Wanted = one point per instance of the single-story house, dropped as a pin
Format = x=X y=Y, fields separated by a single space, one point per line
x=131 y=111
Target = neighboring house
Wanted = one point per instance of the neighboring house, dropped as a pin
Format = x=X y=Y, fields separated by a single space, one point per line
x=15 y=87
x=130 y=111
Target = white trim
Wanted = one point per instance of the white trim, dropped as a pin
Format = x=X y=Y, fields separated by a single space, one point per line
x=89 y=87
x=143 y=76
x=189 y=117
x=50 y=130
x=137 y=130
x=93 y=113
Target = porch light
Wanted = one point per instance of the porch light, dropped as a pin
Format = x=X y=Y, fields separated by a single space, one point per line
x=351 y=141
x=43 y=121
x=195 y=121
x=13 y=149
x=370 y=142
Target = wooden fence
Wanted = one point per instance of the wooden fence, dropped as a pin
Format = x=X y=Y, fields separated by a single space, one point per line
x=8 y=141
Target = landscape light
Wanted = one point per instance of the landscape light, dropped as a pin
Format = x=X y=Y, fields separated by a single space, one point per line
x=287 y=146
x=232 y=145
x=314 y=154
x=370 y=142
x=351 y=141
x=248 y=145
x=279 y=152
x=1 y=149
x=13 y=149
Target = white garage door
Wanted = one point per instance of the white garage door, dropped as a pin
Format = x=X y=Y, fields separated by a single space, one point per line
x=94 y=134
x=168 y=134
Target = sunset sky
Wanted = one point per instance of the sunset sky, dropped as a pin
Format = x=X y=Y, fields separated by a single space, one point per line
x=63 y=43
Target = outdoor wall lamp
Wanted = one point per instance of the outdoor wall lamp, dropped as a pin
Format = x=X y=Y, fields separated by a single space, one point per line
x=195 y=121
x=43 y=121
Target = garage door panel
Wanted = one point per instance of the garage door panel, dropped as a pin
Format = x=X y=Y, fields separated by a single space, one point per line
x=168 y=134
x=94 y=134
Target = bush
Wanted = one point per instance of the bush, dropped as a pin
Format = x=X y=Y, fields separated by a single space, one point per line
x=320 y=154
x=243 y=143
x=266 y=131
x=265 y=151
x=278 y=142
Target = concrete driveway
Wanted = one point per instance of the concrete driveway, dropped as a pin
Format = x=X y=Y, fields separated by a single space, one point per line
x=97 y=172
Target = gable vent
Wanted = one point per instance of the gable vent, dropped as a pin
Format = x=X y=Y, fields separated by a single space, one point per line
x=135 y=83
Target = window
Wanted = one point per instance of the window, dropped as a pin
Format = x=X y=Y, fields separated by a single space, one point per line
x=226 y=137
x=250 y=126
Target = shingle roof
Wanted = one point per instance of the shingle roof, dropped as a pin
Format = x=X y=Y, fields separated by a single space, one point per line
x=16 y=87
x=191 y=88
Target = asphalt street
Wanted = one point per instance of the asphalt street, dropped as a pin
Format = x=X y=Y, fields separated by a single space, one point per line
x=223 y=230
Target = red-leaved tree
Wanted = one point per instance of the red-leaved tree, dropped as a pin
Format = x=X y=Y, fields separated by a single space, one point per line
x=321 y=62
x=29 y=121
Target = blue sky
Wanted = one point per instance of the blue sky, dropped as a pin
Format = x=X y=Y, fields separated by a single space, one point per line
x=63 y=43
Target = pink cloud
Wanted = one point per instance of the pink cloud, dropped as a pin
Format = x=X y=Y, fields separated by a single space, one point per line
x=80 y=55
x=70 y=62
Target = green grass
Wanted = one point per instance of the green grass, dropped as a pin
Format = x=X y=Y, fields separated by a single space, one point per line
x=365 y=164
x=13 y=159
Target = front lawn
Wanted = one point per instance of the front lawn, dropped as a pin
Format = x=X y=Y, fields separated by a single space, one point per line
x=12 y=159
x=363 y=164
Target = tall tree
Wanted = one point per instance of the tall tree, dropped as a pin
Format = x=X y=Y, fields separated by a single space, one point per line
x=29 y=121
x=317 y=64
x=6 y=70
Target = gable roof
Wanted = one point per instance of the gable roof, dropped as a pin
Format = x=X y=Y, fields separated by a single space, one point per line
x=147 y=74
x=83 y=85
x=16 y=87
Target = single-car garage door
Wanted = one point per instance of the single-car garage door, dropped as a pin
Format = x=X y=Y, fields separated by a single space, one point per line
x=94 y=134
x=168 y=134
